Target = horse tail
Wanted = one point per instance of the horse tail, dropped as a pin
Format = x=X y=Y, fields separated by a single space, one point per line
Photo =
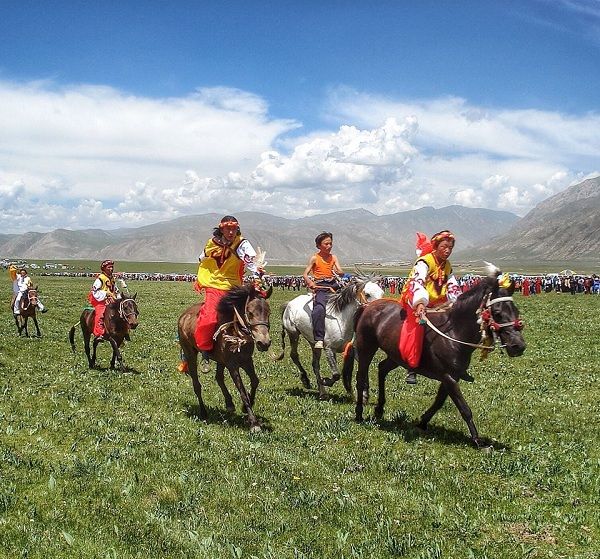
x=348 y=366
x=72 y=336
x=281 y=355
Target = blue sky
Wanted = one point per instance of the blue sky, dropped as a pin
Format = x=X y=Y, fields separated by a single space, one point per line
x=125 y=113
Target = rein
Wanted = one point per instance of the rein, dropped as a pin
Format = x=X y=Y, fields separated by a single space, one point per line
x=122 y=312
x=487 y=322
x=246 y=327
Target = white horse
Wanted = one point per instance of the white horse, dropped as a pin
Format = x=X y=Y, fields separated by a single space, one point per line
x=339 y=326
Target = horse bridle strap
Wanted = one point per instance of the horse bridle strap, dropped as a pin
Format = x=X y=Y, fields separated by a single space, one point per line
x=476 y=346
x=495 y=326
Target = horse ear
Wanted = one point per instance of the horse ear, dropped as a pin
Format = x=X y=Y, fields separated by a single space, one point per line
x=511 y=288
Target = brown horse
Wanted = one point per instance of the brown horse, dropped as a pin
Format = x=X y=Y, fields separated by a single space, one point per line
x=243 y=323
x=27 y=308
x=485 y=312
x=120 y=317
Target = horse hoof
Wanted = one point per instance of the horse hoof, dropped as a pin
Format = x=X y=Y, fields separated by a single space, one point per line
x=327 y=381
x=305 y=383
x=255 y=429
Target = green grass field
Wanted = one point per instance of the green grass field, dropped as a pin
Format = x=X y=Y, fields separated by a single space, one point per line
x=104 y=464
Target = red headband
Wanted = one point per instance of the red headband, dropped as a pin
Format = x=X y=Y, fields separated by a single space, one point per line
x=106 y=263
x=228 y=224
x=442 y=236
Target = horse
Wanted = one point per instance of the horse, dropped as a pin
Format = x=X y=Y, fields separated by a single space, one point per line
x=27 y=308
x=243 y=322
x=339 y=326
x=479 y=318
x=120 y=317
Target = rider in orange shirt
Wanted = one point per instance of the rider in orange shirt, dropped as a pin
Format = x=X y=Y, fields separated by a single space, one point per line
x=320 y=275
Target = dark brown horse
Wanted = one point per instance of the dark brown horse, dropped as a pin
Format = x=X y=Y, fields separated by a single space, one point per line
x=120 y=317
x=27 y=308
x=485 y=312
x=243 y=323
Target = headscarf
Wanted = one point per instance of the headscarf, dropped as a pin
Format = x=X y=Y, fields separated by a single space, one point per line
x=444 y=235
x=105 y=264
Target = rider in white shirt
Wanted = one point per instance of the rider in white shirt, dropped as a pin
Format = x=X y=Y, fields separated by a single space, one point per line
x=23 y=284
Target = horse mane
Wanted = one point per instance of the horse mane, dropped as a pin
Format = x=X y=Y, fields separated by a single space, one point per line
x=339 y=300
x=235 y=297
x=467 y=300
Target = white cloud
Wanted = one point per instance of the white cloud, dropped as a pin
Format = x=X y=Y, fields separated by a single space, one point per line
x=91 y=156
x=497 y=158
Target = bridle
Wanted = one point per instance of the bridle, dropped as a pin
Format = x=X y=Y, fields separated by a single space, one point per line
x=244 y=325
x=487 y=324
x=123 y=314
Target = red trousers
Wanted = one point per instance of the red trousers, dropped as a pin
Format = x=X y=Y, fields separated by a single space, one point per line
x=411 y=339
x=99 y=307
x=206 y=325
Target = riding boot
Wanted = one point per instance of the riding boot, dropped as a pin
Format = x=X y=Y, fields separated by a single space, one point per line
x=411 y=377
x=205 y=363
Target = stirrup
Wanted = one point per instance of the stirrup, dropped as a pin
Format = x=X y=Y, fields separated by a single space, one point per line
x=205 y=362
x=411 y=377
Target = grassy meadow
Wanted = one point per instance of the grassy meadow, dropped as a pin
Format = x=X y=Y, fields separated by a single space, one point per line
x=104 y=464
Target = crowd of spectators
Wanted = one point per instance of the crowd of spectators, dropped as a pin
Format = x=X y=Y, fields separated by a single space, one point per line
x=527 y=284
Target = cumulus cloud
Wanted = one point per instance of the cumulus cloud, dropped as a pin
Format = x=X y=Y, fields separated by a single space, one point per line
x=92 y=156
x=505 y=159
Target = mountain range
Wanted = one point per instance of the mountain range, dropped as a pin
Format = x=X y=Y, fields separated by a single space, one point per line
x=359 y=236
x=563 y=227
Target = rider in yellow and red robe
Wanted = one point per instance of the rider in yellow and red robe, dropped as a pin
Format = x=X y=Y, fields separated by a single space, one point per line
x=104 y=290
x=223 y=262
x=430 y=284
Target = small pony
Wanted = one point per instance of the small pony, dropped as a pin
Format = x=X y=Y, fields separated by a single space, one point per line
x=120 y=317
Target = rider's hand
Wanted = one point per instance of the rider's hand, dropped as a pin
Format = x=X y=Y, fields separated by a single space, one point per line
x=420 y=310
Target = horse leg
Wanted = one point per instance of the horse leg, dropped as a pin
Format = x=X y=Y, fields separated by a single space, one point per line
x=295 y=357
x=316 y=365
x=37 y=326
x=24 y=326
x=464 y=409
x=331 y=357
x=116 y=356
x=94 y=348
x=220 y=378
x=362 y=378
x=440 y=398
x=239 y=384
x=383 y=369
x=16 y=316
x=250 y=370
x=191 y=356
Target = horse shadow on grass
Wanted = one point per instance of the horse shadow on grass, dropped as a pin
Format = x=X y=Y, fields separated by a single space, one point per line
x=409 y=430
x=297 y=392
x=218 y=416
x=107 y=369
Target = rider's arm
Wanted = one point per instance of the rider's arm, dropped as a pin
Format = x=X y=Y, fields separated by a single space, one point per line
x=97 y=293
x=247 y=255
x=336 y=266
x=306 y=275
x=454 y=289
x=418 y=279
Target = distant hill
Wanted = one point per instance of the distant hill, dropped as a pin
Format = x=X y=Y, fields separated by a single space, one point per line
x=565 y=227
x=359 y=236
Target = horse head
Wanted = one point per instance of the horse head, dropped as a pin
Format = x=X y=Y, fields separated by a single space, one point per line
x=368 y=288
x=500 y=314
x=128 y=311
x=256 y=315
